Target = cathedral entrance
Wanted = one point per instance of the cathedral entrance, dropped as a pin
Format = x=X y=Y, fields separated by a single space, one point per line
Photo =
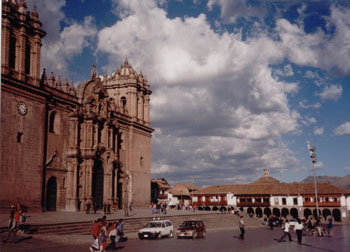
x=51 y=194
x=97 y=184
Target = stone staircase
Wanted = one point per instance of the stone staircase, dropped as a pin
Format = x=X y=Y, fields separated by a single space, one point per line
x=132 y=225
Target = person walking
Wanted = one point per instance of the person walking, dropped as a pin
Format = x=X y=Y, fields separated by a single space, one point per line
x=329 y=227
x=241 y=227
x=88 y=207
x=112 y=233
x=298 y=228
x=286 y=232
x=13 y=228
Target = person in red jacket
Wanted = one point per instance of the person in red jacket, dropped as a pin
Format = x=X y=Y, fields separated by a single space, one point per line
x=96 y=228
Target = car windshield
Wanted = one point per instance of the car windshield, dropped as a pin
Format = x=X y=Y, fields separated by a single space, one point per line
x=189 y=224
x=153 y=224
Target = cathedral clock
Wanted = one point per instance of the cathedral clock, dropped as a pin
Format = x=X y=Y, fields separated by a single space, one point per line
x=22 y=108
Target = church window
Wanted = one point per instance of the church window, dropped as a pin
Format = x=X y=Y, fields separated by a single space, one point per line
x=141 y=161
x=19 y=137
x=123 y=102
x=54 y=123
x=12 y=53
x=27 y=58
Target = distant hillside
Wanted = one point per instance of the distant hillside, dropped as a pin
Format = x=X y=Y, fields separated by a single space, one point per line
x=342 y=182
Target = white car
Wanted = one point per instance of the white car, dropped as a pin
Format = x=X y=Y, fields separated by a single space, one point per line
x=156 y=229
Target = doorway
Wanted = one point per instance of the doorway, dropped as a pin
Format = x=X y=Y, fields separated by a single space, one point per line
x=51 y=194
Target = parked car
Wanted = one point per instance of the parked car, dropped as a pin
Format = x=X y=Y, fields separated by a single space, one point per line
x=156 y=229
x=192 y=228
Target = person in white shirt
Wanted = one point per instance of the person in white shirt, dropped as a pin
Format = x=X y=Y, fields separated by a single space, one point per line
x=298 y=228
x=286 y=232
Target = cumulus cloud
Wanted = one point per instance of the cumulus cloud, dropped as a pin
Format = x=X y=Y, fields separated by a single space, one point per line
x=232 y=10
x=332 y=92
x=318 y=131
x=304 y=104
x=215 y=102
x=61 y=45
x=319 y=49
x=343 y=129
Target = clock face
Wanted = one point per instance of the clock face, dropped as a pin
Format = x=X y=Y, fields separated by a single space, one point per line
x=22 y=108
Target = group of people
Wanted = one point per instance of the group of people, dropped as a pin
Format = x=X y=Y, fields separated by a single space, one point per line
x=316 y=229
x=17 y=222
x=104 y=234
x=159 y=208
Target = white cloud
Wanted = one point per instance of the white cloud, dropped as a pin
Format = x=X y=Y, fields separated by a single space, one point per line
x=332 y=92
x=343 y=129
x=234 y=9
x=319 y=49
x=318 y=131
x=215 y=103
x=59 y=46
x=304 y=105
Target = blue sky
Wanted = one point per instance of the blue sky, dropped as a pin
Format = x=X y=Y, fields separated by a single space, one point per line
x=238 y=86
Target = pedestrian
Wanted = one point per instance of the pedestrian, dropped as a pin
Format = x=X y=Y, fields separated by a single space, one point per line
x=103 y=240
x=12 y=213
x=120 y=230
x=286 y=232
x=271 y=222
x=112 y=233
x=96 y=228
x=88 y=207
x=109 y=208
x=298 y=228
x=95 y=207
x=329 y=227
x=241 y=227
x=22 y=222
x=13 y=228
x=105 y=208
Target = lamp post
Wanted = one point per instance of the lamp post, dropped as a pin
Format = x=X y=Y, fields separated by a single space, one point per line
x=313 y=160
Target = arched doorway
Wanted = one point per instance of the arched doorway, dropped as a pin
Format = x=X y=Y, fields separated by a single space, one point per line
x=314 y=213
x=276 y=212
x=336 y=215
x=250 y=211
x=51 y=194
x=97 y=184
x=307 y=213
x=326 y=212
x=215 y=208
x=267 y=211
x=285 y=212
x=207 y=208
x=258 y=212
x=294 y=213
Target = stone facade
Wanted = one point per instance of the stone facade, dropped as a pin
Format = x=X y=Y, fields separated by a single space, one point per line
x=63 y=147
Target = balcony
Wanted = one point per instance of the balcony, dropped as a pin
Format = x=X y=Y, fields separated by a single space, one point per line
x=212 y=203
x=253 y=204
x=162 y=196
x=321 y=204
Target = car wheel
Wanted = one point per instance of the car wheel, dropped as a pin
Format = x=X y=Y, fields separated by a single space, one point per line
x=141 y=237
x=194 y=235
x=171 y=234
x=159 y=236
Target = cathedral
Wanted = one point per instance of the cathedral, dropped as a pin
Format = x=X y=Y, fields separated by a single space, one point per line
x=64 y=146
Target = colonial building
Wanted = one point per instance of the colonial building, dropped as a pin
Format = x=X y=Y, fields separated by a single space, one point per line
x=267 y=196
x=61 y=146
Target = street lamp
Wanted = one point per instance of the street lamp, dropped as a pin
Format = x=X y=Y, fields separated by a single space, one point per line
x=313 y=160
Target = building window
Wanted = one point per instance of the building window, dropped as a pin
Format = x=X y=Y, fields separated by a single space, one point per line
x=258 y=200
x=19 y=137
x=295 y=201
x=27 y=58
x=54 y=123
x=12 y=53
x=335 y=199
x=266 y=200
x=284 y=201
x=327 y=199
x=123 y=102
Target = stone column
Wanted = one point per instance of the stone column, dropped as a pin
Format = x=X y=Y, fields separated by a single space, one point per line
x=146 y=110
x=87 y=185
x=35 y=60
x=5 y=47
x=22 y=53
x=71 y=198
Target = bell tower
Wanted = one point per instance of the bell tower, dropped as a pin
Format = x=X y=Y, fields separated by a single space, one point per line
x=21 y=42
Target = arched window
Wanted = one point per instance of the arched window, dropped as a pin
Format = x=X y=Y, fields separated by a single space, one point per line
x=12 y=54
x=123 y=102
x=54 y=122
